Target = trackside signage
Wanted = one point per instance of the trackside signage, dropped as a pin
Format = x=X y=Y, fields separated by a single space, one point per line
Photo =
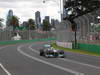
x=64 y=44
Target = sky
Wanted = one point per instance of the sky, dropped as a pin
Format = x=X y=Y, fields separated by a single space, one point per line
x=26 y=9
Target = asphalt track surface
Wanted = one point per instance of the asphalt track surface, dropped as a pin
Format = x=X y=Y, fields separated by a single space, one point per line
x=24 y=59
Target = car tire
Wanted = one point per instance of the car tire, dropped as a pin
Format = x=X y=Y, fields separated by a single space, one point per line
x=41 y=52
x=63 y=56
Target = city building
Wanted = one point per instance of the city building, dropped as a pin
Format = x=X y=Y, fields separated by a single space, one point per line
x=25 y=24
x=53 y=23
x=38 y=19
x=9 y=16
x=47 y=18
x=61 y=17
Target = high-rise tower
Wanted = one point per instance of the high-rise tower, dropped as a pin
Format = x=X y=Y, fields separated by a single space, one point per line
x=37 y=19
x=9 y=16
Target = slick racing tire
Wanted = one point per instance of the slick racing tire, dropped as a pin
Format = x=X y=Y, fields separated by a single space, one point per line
x=41 y=52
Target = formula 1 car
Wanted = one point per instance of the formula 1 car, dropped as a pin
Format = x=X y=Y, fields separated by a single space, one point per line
x=52 y=53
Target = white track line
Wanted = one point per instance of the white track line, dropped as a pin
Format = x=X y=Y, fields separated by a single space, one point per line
x=92 y=66
x=72 y=61
x=7 y=72
x=48 y=63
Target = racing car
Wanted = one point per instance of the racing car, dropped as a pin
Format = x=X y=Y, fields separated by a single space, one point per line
x=52 y=53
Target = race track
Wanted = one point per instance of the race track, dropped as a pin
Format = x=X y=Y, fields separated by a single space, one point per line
x=24 y=59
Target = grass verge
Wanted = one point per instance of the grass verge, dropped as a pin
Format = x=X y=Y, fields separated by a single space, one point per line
x=74 y=50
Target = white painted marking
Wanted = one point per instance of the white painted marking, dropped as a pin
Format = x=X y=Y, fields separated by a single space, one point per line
x=33 y=50
x=92 y=66
x=48 y=63
x=79 y=74
x=7 y=72
x=68 y=60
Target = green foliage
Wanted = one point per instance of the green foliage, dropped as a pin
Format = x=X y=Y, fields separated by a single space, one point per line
x=46 y=25
x=31 y=24
x=1 y=20
x=25 y=25
x=14 y=22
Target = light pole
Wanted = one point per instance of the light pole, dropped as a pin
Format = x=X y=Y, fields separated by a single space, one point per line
x=58 y=3
x=29 y=32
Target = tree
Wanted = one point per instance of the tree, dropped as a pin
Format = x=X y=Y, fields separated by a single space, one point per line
x=46 y=25
x=25 y=25
x=76 y=8
x=14 y=22
x=80 y=7
x=31 y=24
x=1 y=20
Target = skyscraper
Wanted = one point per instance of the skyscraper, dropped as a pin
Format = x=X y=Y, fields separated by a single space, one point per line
x=47 y=18
x=9 y=16
x=38 y=19
x=53 y=23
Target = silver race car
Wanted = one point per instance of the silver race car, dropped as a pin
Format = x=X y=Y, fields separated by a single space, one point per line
x=52 y=53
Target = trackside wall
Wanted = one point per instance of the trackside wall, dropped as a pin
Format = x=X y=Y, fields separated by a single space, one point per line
x=89 y=47
x=24 y=41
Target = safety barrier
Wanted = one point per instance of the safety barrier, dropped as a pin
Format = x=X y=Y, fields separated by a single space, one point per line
x=89 y=47
x=64 y=44
x=25 y=41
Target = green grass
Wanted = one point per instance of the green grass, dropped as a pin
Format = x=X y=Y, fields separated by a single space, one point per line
x=75 y=50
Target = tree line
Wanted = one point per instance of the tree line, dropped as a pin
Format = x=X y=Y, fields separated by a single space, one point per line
x=14 y=22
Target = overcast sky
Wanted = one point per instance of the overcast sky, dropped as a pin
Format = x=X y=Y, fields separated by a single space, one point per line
x=26 y=9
